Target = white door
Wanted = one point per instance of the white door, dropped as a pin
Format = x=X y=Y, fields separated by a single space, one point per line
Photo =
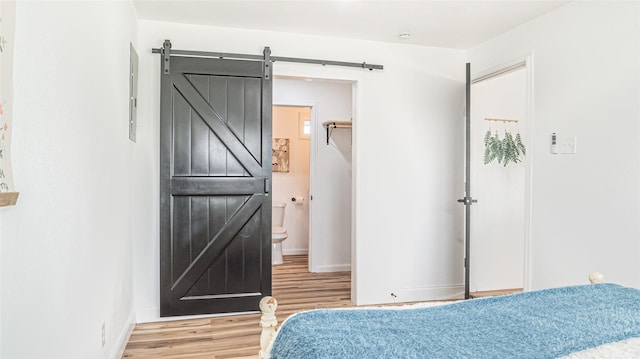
x=498 y=223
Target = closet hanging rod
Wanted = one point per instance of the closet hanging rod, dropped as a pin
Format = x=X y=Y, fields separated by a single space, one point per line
x=501 y=120
x=335 y=124
x=228 y=55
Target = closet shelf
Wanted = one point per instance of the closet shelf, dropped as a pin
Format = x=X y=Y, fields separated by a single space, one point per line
x=330 y=125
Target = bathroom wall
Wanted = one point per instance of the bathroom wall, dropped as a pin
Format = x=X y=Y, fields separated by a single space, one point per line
x=294 y=183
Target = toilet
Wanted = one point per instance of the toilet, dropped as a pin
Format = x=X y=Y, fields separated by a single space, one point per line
x=278 y=232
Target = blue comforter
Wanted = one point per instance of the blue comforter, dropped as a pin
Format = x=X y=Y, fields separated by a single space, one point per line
x=541 y=324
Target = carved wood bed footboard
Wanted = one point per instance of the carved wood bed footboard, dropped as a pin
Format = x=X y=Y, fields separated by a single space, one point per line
x=268 y=322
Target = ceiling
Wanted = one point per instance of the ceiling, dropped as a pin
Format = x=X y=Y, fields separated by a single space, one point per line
x=452 y=24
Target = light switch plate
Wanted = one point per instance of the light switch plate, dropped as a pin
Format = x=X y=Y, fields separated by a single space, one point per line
x=567 y=145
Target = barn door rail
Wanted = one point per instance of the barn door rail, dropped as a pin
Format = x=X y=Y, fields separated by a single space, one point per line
x=166 y=52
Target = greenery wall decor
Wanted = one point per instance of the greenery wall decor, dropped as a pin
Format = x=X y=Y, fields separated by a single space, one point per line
x=508 y=149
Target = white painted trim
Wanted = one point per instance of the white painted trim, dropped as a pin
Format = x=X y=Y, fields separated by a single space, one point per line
x=354 y=202
x=528 y=184
x=294 y=251
x=123 y=338
x=147 y=315
x=333 y=268
x=499 y=70
x=152 y=314
x=445 y=292
x=313 y=180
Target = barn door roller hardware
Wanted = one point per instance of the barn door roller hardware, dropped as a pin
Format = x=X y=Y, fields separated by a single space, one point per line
x=166 y=56
x=166 y=52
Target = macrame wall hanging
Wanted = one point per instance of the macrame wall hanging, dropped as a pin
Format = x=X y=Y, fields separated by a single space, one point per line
x=509 y=149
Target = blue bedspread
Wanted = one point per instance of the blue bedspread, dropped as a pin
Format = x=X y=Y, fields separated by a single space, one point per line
x=541 y=324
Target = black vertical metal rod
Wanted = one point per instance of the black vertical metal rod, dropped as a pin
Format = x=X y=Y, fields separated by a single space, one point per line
x=467 y=184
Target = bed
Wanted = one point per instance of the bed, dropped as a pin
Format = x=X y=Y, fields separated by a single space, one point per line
x=600 y=320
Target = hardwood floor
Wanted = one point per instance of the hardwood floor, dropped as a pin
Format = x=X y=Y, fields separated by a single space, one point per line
x=238 y=336
x=493 y=293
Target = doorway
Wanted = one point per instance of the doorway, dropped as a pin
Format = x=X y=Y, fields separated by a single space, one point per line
x=292 y=125
x=499 y=112
x=329 y=195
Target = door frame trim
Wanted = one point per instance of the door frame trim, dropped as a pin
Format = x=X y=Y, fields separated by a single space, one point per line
x=525 y=62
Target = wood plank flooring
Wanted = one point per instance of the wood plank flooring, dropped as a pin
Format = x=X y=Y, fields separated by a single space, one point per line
x=493 y=293
x=238 y=336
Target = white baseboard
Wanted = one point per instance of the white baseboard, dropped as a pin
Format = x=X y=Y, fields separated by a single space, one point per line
x=332 y=268
x=123 y=338
x=147 y=315
x=152 y=314
x=294 y=251
x=429 y=293
x=408 y=295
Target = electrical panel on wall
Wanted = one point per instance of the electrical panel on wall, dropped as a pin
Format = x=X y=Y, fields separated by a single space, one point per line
x=133 y=92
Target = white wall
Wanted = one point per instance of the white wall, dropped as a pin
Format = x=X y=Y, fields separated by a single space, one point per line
x=86 y=192
x=407 y=158
x=294 y=183
x=585 y=206
x=66 y=246
x=497 y=227
x=331 y=184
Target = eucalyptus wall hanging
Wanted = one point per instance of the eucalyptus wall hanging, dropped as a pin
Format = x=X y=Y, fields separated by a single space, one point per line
x=508 y=149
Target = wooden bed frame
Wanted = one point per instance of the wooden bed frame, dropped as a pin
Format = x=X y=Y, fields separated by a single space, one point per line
x=269 y=322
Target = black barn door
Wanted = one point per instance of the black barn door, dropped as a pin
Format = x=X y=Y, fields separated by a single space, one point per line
x=215 y=171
